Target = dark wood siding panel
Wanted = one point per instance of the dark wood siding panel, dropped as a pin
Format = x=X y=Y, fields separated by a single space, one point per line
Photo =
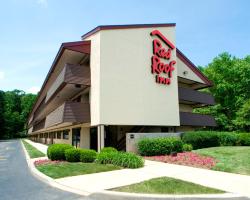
x=76 y=112
x=194 y=119
x=39 y=109
x=56 y=84
x=77 y=74
x=71 y=74
x=39 y=125
x=55 y=117
x=190 y=95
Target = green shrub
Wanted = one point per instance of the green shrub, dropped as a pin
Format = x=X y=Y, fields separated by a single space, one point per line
x=105 y=158
x=244 y=139
x=57 y=151
x=87 y=155
x=72 y=155
x=108 y=149
x=201 y=139
x=187 y=147
x=122 y=159
x=204 y=139
x=159 y=146
x=227 y=138
x=177 y=144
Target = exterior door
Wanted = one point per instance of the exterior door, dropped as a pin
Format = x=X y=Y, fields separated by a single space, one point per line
x=93 y=138
x=76 y=135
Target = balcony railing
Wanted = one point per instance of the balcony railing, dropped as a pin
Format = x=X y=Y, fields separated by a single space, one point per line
x=195 y=97
x=194 y=119
x=71 y=112
x=70 y=74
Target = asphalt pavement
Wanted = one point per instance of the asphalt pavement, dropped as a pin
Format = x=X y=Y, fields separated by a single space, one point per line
x=17 y=182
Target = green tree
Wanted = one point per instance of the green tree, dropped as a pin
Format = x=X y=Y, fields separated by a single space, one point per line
x=17 y=106
x=243 y=117
x=2 y=124
x=231 y=78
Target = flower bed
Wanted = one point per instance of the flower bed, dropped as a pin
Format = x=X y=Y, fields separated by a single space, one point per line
x=186 y=158
x=46 y=161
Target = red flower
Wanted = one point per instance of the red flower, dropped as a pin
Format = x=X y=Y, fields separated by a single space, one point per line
x=46 y=161
x=186 y=158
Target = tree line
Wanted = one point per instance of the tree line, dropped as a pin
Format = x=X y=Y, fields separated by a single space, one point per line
x=15 y=107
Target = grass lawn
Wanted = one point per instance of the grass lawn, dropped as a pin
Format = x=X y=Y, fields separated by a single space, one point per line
x=229 y=159
x=64 y=169
x=32 y=151
x=165 y=185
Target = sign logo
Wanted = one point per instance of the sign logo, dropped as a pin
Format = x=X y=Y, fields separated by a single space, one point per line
x=162 y=70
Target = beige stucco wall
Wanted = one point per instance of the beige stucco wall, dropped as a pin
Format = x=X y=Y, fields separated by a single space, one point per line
x=190 y=74
x=94 y=93
x=123 y=90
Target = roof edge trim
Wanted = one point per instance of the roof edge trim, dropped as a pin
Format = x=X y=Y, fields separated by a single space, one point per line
x=125 y=26
x=192 y=66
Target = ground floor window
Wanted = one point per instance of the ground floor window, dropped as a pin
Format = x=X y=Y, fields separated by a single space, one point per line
x=66 y=134
x=58 y=134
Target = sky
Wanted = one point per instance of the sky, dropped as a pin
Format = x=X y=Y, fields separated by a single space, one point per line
x=31 y=31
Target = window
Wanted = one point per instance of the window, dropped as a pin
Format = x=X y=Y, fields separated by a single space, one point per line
x=58 y=135
x=66 y=134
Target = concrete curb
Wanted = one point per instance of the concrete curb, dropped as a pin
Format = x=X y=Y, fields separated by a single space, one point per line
x=42 y=177
x=111 y=195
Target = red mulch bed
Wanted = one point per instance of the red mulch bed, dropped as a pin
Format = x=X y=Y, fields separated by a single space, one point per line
x=46 y=161
x=186 y=158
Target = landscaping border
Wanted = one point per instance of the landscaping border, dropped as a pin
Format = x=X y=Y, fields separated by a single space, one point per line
x=113 y=195
x=42 y=177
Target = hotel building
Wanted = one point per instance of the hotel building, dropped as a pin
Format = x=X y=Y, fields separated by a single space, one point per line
x=119 y=79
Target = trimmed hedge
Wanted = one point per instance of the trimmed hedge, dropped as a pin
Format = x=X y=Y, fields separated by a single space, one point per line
x=204 y=139
x=122 y=159
x=201 y=139
x=57 y=151
x=244 y=139
x=160 y=146
x=108 y=149
x=87 y=155
x=72 y=155
x=227 y=138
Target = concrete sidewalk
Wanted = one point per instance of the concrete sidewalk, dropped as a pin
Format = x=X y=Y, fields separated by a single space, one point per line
x=234 y=183
x=41 y=147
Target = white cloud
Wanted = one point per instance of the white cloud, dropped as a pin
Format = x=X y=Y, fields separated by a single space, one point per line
x=33 y=90
x=43 y=2
x=2 y=75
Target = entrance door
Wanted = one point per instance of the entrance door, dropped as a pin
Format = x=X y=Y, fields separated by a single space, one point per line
x=76 y=134
x=93 y=138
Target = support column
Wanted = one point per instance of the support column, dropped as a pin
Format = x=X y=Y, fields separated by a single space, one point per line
x=85 y=138
x=100 y=137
